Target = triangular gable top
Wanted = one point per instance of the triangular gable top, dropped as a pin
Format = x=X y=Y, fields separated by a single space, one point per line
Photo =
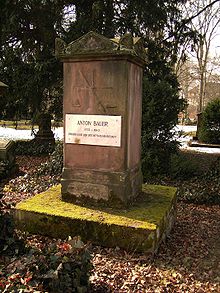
x=93 y=43
x=88 y=43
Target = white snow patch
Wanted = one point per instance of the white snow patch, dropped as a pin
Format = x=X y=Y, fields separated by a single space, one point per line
x=13 y=134
x=185 y=139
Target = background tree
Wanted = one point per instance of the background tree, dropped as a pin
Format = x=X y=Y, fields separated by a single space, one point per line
x=206 y=24
x=28 y=37
x=210 y=128
x=27 y=62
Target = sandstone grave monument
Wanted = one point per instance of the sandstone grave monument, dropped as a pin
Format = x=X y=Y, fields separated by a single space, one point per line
x=101 y=196
x=102 y=118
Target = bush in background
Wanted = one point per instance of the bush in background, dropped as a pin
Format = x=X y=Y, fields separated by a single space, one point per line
x=161 y=105
x=33 y=148
x=204 y=189
x=210 y=127
x=54 y=165
x=5 y=168
x=156 y=157
x=183 y=168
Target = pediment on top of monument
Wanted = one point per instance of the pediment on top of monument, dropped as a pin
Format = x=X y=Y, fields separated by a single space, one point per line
x=89 y=43
x=95 y=44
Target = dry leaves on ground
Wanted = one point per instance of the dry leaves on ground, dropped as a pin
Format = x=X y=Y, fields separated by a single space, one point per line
x=189 y=261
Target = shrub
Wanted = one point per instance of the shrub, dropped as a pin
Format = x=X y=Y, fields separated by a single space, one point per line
x=60 y=267
x=67 y=267
x=156 y=158
x=161 y=105
x=54 y=165
x=204 y=189
x=209 y=131
x=182 y=167
x=33 y=148
x=5 y=168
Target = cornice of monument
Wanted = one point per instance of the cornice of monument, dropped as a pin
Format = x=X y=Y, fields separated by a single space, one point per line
x=94 y=45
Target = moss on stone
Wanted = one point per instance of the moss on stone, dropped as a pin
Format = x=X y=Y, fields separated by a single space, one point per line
x=134 y=227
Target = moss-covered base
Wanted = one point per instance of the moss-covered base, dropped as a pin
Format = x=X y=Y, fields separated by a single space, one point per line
x=140 y=227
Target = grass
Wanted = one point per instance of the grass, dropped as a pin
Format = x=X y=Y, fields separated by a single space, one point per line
x=24 y=124
x=21 y=124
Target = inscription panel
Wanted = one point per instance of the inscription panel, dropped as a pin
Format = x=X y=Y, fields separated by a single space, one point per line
x=99 y=130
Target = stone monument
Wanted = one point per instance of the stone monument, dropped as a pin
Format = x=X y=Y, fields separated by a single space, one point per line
x=99 y=195
x=102 y=119
x=45 y=134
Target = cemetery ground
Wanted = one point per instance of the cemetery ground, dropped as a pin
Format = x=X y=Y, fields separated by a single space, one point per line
x=189 y=260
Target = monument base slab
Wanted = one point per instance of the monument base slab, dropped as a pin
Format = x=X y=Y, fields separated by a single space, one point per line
x=97 y=187
x=139 y=228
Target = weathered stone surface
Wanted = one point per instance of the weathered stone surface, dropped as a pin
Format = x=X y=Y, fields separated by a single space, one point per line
x=103 y=77
x=7 y=158
x=99 y=187
x=95 y=45
x=7 y=151
x=138 y=228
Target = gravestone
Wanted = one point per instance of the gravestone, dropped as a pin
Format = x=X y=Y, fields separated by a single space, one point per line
x=7 y=151
x=102 y=146
x=102 y=119
x=7 y=156
x=44 y=134
x=199 y=125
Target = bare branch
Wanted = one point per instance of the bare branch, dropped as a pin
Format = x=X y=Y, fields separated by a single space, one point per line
x=185 y=21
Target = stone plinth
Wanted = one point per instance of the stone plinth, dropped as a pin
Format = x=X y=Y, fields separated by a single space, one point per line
x=102 y=114
x=139 y=228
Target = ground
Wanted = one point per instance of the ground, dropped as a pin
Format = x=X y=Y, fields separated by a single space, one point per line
x=189 y=261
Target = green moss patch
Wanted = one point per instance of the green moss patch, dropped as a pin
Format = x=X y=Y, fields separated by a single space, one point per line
x=132 y=228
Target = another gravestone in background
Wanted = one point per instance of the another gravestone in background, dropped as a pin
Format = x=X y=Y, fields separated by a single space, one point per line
x=44 y=134
x=102 y=114
x=7 y=158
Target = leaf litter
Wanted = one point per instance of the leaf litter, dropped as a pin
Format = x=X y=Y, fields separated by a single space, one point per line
x=189 y=260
